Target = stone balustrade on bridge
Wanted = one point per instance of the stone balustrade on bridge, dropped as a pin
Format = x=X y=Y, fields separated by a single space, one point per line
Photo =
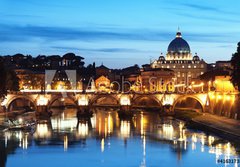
x=169 y=101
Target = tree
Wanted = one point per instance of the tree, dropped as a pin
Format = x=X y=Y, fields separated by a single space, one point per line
x=3 y=90
x=12 y=81
x=235 y=62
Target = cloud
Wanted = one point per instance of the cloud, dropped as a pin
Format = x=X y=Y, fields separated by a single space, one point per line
x=16 y=32
x=205 y=8
x=29 y=33
x=201 y=7
x=107 y=50
x=209 y=18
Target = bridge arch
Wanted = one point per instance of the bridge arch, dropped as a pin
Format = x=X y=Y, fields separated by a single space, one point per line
x=68 y=99
x=150 y=100
x=104 y=99
x=188 y=98
x=21 y=97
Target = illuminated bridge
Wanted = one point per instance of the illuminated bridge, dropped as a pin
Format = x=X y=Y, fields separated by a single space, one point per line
x=199 y=102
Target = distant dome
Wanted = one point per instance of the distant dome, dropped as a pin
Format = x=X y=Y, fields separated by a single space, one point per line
x=179 y=45
x=161 y=58
x=196 y=58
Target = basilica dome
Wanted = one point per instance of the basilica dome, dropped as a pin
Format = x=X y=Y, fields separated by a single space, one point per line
x=178 y=45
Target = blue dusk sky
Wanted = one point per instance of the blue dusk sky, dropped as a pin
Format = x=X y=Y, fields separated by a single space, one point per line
x=119 y=33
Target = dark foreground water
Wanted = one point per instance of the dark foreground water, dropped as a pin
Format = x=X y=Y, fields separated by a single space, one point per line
x=104 y=140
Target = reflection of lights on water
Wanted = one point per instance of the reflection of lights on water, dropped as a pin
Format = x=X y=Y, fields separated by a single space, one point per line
x=144 y=145
x=202 y=148
x=168 y=131
x=185 y=145
x=94 y=120
x=7 y=137
x=102 y=145
x=64 y=123
x=143 y=163
x=141 y=123
x=218 y=151
x=83 y=129
x=110 y=124
x=125 y=128
x=182 y=132
x=25 y=141
x=42 y=130
x=210 y=140
x=193 y=146
x=181 y=125
x=202 y=142
x=211 y=150
x=99 y=125
x=202 y=139
x=22 y=137
x=65 y=143
x=194 y=141
x=194 y=138
x=104 y=123
x=19 y=136
x=225 y=150
x=228 y=149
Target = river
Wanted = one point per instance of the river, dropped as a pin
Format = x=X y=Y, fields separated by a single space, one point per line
x=104 y=140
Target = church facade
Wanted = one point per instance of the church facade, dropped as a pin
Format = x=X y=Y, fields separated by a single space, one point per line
x=187 y=68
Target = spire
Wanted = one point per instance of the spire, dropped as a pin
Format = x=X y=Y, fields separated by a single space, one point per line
x=179 y=34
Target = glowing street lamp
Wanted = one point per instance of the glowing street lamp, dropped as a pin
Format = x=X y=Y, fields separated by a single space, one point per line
x=42 y=101
x=202 y=84
x=209 y=85
x=125 y=101
x=83 y=101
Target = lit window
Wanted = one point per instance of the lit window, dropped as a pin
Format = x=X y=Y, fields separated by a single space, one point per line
x=195 y=66
x=174 y=66
x=182 y=66
x=189 y=66
x=202 y=73
x=167 y=66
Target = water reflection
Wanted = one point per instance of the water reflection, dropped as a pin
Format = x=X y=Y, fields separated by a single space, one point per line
x=43 y=131
x=146 y=137
x=125 y=129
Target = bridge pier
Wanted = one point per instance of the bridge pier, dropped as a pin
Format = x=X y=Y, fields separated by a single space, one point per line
x=41 y=109
x=2 y=109
x=207 y=109
x=167 y=108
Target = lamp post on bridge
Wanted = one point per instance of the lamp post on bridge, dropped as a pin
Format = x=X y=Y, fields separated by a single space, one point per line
x=42 y=102
x=125 y=102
